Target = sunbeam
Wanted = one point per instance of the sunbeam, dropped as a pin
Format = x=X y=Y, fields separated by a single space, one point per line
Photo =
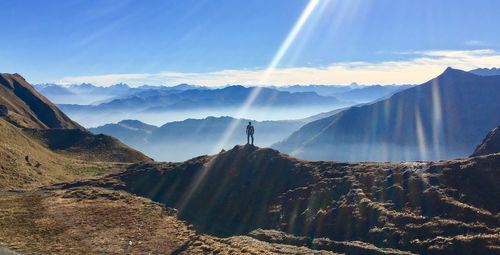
x=292 y=35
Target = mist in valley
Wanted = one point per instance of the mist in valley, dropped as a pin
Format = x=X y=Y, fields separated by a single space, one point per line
x=158 y=118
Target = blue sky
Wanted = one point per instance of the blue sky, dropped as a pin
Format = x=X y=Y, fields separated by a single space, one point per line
x=216 y=42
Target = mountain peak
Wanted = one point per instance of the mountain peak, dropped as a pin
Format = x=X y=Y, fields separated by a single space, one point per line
x=250 y=151
x=453 y=71
x=454 y=74
x=131 y=122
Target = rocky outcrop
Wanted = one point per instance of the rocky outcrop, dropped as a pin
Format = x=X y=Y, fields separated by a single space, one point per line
x=490 y=144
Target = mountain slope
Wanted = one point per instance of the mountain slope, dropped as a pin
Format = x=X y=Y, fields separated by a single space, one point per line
x=132 y=132
x=23 y=106
x=40 y=145
x=370 y=93
x=490 y=144
x=27 y=163
x=84 y=145
x=443 y=118
x=365 y=208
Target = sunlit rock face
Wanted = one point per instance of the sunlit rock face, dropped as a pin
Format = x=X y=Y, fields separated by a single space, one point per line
x=490 y=144
x=441 y=119
x=425 y=208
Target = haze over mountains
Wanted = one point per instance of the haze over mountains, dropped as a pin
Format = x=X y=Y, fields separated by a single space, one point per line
x=91 y=104
x=486 y=71
x=201 y=136
x=86 y=93
x=353 y=93
x=443 y=118
x=436 y=120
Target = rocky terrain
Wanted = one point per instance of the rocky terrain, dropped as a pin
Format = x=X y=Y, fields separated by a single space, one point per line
x=445 y=207
x=99 y=221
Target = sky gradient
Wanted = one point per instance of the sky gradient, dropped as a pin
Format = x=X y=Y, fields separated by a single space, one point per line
x=240 y=42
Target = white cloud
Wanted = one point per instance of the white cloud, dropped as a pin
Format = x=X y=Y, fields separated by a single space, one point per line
x=424 y=66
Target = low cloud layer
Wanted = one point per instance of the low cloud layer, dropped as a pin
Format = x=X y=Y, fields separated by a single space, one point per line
x=420 y=67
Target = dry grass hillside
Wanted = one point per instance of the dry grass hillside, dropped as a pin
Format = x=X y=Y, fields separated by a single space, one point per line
x=84 y=145
x=26 y=163
x=23 y=106
x=99 y=221
x=40 y=145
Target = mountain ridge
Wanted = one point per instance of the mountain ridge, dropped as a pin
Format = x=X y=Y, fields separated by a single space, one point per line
x=417 y=123
x=398 y=207
x=40 y=145
x=25 y=107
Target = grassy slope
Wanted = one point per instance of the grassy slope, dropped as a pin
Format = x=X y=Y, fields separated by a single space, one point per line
x=43 y=166
x=81 y=144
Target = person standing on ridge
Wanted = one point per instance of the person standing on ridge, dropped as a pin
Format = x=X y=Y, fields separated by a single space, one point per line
x=250 y=131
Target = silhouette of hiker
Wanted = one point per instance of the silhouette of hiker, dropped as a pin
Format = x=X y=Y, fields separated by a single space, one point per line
x=250 y=131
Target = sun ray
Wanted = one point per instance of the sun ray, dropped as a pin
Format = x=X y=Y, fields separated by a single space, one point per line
x=292 y=35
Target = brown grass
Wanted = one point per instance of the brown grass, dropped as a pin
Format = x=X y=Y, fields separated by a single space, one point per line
x=98 y=221
x=25 y=163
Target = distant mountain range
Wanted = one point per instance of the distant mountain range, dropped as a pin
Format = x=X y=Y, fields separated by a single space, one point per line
x=353 y=93
x=232 y=96
x=201 y=136
x=486 y=71
x=445 y=117
x=94 y=106
x=85 y=93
